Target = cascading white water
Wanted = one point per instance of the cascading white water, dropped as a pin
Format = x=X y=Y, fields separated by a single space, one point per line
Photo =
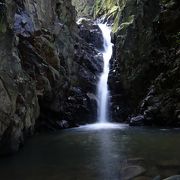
x=103 y=93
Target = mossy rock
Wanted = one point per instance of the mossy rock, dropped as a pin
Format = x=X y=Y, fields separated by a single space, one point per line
x=105 y=7
x=84 y=8
x=125 y=24
x=110 y=10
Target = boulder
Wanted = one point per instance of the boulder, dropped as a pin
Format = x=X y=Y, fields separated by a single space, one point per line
x=175 y=177
x=137 y=121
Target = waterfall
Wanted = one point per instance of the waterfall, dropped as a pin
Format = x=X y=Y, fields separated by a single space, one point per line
x=102 y=89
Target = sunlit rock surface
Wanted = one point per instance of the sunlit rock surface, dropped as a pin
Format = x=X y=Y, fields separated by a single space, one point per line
x=84 y=8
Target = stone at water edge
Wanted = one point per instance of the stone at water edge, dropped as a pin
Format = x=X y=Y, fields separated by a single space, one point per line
x=157 y=178
x=137 y=121
x=175 y=177
x=130 y=172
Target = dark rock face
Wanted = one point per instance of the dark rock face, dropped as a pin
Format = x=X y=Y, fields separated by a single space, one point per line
x=48 y=74
x=91 y=33
x=147 y=61
x=19 y=104
x=120 y=108
x=134 y=43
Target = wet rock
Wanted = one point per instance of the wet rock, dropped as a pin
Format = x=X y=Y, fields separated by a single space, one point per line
x=90 y=63
x=137 y=121
x=91 y=32
x=63 y=124
x=131 y=172
x=157 y=178
x=175 y=177
x=119 y=102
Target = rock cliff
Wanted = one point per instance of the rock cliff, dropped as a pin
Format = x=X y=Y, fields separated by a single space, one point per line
x=144 y=78
x=48 y=72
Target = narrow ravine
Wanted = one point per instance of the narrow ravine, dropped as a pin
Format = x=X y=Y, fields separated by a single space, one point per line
x=103 y=92
x=93 y=99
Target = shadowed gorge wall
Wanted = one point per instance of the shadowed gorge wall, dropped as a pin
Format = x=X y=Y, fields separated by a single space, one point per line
x=144 y=76
x=147 y=66
x=48 y=73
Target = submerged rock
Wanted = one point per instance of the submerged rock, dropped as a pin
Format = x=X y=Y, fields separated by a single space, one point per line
x=131 y=172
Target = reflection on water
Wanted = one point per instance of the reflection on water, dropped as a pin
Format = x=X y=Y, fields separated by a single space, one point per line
x=100 y=126
x=108 y=156
x=95 y=153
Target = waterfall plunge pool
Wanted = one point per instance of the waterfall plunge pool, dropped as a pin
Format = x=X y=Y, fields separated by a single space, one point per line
x=93 y=153
x=101 y=151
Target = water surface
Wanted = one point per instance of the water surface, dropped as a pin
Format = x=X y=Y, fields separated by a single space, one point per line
x=96 y=152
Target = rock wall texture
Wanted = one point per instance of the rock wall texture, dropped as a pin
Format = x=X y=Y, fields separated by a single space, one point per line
x=48 y=72
x=144 y=77
x=146 y=67
x=84 y=7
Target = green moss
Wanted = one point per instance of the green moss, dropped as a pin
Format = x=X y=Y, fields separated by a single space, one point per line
x=116 y=23
x=110 y=9
x=105 y=7
x=177 y=38
x=84 y=7
x=113 y=9
x=127 y=22
x=167 y=3
x=2 y=25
